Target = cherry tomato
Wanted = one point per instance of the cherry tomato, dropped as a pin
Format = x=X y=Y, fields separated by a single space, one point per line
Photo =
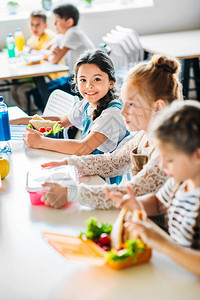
x=106 y=248
x=104 y=239
x=48 y=129
x=42 y=129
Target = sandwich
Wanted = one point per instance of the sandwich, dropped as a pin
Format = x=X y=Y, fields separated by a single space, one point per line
x=45 y=127
x=123 y=249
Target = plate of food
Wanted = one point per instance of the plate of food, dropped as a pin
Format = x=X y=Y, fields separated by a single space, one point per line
x=103 y=244
x=48 y=128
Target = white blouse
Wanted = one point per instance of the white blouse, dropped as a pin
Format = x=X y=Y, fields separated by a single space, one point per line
x=110 y=123
x=119 y=162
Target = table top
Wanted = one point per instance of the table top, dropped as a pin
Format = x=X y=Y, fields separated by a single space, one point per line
x=181 y=44
x=32 y=269
x=17 y=68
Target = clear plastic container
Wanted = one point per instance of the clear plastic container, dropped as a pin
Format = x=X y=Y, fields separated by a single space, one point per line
x=64 y=175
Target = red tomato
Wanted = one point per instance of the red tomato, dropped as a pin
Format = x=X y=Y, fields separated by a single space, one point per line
x=48 y=129
x=42 y=129
x=104 y=239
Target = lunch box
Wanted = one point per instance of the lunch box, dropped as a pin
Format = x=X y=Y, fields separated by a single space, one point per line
x=63 y=175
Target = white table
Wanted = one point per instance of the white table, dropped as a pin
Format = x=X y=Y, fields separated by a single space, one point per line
x=184 y=45
x=31 y=269
x=11 y=72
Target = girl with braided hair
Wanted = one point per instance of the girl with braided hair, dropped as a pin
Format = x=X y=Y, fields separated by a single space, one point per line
x=98 y=115
x=177 y=133
x=146 y=90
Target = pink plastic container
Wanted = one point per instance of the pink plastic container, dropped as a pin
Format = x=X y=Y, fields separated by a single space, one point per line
x=37 y=176
x=36 y=196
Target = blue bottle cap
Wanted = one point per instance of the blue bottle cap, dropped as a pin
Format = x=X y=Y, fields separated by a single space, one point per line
x=1 y=98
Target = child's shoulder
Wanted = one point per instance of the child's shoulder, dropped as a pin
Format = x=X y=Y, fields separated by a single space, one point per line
x=50 y=33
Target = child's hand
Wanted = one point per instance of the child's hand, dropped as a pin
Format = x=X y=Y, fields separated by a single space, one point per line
x=149 y=233
x=32 y=138
x=116 y=197
x=56 y=196
x=55 y=49
x=127 y=200
x=53 y=164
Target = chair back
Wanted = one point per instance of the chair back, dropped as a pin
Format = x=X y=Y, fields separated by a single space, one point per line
x=59 y=103
x=134 y=37
x=126 y=49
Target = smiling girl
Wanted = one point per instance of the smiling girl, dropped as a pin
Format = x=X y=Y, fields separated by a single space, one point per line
x=98 y=115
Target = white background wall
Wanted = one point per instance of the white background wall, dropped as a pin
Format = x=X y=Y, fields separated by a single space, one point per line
x=165 y=16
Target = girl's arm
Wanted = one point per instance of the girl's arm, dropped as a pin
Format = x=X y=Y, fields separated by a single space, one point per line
x=79 y=147
x=24 y=121
x=107 y=165
x=158 y=239
x=149 y=202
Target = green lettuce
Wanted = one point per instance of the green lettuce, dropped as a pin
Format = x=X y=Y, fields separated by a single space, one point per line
x=30 y=126
x=56 y=128
x=131 y=247
x=94 y=230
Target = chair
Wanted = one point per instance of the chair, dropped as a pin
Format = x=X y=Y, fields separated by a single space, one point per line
x=119 y=57
x=126 y=49
x=134 y=38
x=59 y=103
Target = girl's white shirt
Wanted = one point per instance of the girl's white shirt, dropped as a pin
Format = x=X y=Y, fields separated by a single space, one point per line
x=119 y=162
x=110 y=123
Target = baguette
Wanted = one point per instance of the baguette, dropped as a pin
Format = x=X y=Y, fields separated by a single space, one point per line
x=122 y=248
x=127 y=249
x=37 y=124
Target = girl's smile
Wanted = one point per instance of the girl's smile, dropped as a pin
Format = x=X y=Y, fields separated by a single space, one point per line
x=93 y=84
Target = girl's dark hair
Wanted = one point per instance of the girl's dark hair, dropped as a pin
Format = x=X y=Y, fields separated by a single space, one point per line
x=67 y=11
x=179 y=125
x=105 y=64
x=157 y=79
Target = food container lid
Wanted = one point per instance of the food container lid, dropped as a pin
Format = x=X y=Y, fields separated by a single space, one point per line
x=76 y=249
x=64 y=175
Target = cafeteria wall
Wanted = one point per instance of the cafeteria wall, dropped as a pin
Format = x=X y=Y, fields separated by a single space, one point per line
x=164 y=16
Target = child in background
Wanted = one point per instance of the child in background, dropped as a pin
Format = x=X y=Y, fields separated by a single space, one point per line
x=69 y=43
x=177 y=134
x=41 y=36
x=98 y=115
x=147 y=89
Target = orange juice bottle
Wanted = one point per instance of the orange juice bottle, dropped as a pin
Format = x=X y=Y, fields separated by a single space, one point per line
x=19 y=39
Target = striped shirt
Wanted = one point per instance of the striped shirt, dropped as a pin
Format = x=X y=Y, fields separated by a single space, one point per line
x=183 y=212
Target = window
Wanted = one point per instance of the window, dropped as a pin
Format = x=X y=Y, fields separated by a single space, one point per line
x=97 y=5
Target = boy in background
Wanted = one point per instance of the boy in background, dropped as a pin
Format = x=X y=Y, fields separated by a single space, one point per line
x=69 y=43
x=41 y=36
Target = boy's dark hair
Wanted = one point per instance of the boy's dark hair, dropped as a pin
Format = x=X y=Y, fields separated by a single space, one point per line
x=39 y=14
x=67 y=11
x=105 y=64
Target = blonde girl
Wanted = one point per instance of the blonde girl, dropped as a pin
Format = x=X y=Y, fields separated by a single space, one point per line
x=147 y=89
